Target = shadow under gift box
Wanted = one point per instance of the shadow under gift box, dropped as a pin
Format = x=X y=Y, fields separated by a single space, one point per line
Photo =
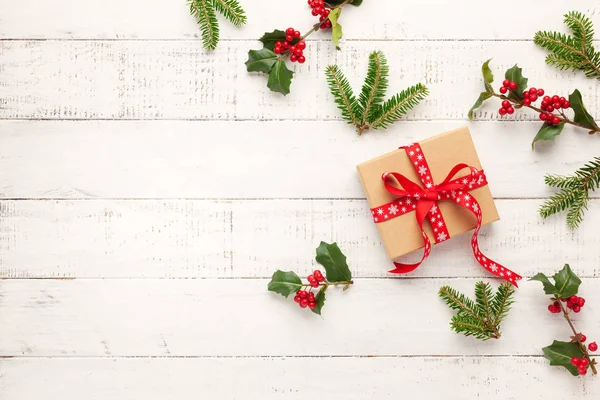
x=401 y=235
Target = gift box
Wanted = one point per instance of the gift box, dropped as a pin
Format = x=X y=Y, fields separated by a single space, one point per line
x=429 y=192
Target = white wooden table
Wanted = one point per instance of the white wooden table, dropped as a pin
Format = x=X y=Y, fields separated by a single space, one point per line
x=150 y=188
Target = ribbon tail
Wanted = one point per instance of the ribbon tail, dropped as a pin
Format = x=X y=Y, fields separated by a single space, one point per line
x=467 y=201
x=406 y=268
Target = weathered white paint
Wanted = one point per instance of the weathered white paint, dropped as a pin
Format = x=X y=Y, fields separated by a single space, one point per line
x=452 y=378
x=253 y=159
x=179 y=80
x=238 y=317
x=252 y=238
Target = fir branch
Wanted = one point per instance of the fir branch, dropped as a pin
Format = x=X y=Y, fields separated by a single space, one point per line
x=205 y=13
x=232 y=10
x=393 y=109
x=482 y=318
x=342 y=92
x=574 y=194
x=572 y=52
x=375 y=86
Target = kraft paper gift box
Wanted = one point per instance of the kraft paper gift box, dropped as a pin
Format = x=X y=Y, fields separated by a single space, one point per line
x=401 y=235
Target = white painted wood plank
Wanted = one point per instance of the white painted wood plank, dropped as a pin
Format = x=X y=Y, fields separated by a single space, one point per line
x=238 y=317
x=381 y=19
x=452 y=378
x=241 y=239
x=179 y=80
x=252 y=159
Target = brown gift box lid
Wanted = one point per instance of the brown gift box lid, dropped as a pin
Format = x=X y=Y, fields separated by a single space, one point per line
x=401 y=235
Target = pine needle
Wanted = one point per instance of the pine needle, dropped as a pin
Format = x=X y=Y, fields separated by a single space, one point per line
x=574 y=52
x=574 y=194
x=483 y=317
x=375 y=86
x=231 y=10
x=393 y=109
x=205 y=13
x=344 y=97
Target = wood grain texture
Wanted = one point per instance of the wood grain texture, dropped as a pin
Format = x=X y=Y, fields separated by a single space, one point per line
x=179 y=80
x=380 y=20
x=238 y=317
x=251 y=239
x=253 y=159
x=452 y=378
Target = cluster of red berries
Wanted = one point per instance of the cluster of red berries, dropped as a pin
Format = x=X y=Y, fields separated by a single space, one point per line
x=549 y=104
x=316 y=278
x=318 y=8
x=507 y=108
x=296 y=50
x=508 y=85
x=574 y=302
x=305 y=299
x=581 y=364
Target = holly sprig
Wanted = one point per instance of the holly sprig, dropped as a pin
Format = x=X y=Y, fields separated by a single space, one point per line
x=205 y=12
x=311 y=295
x=573 y=355
x=280 y=46
x=480 y=318
x=369 y=110
x=515 y=95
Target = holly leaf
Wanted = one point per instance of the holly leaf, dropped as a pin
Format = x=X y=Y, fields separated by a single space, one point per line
x=319 y=300
x=331 y=257
x=336 y=29
x=280 y=78
x=514 y=74
x=285 y=283
x=560 y=354
x=549 y=288
x=581 y=115
x=338 y=2
x=548 y=132
x=488 y=76
x=566 y=282
x=482 y=97
x=270 y=38
x=261 y=60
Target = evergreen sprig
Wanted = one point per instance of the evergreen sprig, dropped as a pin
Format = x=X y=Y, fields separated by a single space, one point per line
x=205 y=13
x=480 y=318
x=574 y=194
x=572 y=52
x=370 y=111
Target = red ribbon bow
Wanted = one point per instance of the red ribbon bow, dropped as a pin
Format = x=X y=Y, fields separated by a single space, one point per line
x=423 y=200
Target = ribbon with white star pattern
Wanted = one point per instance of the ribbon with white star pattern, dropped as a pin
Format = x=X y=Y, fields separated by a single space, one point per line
x=423 y=201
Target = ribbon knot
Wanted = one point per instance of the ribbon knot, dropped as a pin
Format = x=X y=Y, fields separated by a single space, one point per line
x=411 y=196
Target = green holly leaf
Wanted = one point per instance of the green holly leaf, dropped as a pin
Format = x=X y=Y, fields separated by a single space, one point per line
x=514 y=74
x=482 y=97
x=285 y=283
x=261 y=60
x=581 y=115
x=280 y=78
x=560 y=353
x=336 y=29
x=549 y=288
x=338 y=2
x=548 y=132
x=331 y=257
x=270 y=38
x=566 y=282
x=488 y=76
x=319 y=300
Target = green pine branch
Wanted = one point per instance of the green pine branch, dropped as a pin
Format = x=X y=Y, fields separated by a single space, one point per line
x=574 y=52
x=205 y=13
x=370 y=111
x=480 y=318
x=574 y=194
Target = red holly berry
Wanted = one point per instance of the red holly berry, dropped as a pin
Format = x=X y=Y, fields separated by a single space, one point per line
x=576 y=309
x=584 y=363
x=540 y=92
x=593 y=346
x=301 y=293
x=314 y=12
x=298 y=53
x=297 y=299
x=510 y=110
x=581 y=302
x=533 y=97
x=502 y=111
x=555 y=98
x=285 y=45
x=533 y=91
x=277 y=50
x=505 y=104
x=303 y=303
x=566 y=104
x=549 y=109
x=556 y=105
x=512 y=85
x=297 y=34
x=555 y=120
x=527 y=101
x=563 y=299
x=312 y=305
x=503 y=90
x=289 y=31
x=574 y=299
x=289 y=38
x=506 y=83
x=543 y=116
x=575 y=361
x=582 y=337
x=582 y=371
x=301 y=45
